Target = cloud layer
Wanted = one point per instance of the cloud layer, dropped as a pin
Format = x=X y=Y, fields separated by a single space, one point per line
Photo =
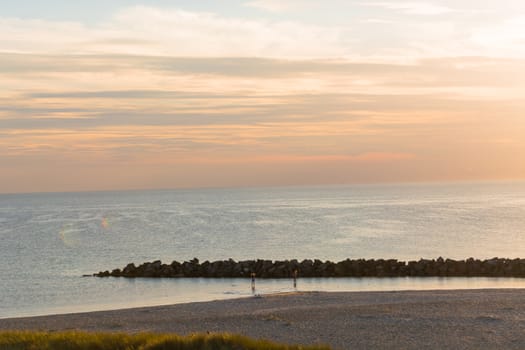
x=383 y=31
x=153 y=97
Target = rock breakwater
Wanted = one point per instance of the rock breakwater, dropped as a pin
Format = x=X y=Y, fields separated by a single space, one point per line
x=496 y=267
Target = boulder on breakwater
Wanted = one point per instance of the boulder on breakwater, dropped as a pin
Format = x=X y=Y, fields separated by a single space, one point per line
x=496 y=267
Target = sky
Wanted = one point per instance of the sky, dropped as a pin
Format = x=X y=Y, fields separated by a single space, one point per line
x=131 y=94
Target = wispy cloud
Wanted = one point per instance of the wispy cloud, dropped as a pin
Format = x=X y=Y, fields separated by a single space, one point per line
x=413 y=8
x=150 y=31
x=507 y=36
x=280 y=6
x=145 y=30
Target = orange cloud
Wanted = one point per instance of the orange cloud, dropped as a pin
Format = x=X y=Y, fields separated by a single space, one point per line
x=149 y=124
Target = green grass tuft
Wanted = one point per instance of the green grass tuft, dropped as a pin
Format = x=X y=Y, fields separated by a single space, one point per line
x=25 y=340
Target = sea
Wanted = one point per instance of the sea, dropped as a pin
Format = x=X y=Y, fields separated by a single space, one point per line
x=48 y=241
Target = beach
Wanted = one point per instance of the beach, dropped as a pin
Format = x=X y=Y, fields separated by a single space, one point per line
x=452 y=319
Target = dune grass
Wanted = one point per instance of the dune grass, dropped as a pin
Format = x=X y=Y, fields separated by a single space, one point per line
x=26 y=340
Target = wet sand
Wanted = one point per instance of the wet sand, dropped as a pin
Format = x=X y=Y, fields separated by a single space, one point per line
x=466 y=319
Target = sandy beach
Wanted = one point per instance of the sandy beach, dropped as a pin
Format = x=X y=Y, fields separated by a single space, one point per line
x=466 y=319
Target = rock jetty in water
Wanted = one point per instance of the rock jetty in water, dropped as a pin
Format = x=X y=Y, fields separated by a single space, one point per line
x=496 y=267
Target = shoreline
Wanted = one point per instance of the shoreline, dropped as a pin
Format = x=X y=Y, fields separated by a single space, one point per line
x=469 y=319
x=237 y=288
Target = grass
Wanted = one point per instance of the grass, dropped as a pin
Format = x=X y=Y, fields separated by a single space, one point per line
x=25 y=340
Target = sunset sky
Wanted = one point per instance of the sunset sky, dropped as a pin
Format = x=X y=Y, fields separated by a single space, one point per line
x=129 y=94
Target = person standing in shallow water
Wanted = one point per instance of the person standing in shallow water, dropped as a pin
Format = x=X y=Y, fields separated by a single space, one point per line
x=295 y=273
x=253 y=282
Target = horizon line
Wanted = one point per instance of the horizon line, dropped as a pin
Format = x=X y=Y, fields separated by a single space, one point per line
x=249 y=187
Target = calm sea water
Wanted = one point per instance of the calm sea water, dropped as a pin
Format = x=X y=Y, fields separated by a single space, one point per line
x=48 y=241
